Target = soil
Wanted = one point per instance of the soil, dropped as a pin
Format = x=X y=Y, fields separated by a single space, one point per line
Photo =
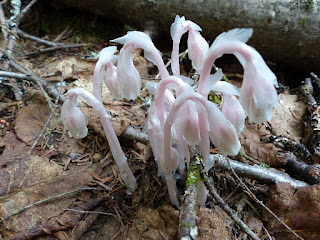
x=85 y=197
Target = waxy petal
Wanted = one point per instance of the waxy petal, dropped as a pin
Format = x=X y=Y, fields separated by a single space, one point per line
x=74 y=119
x=128 y=77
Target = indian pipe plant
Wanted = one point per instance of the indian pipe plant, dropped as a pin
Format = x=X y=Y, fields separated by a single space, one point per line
x=181 y=114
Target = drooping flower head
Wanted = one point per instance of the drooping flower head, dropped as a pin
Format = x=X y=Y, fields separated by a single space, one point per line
x=106 y=60
x=73 y=118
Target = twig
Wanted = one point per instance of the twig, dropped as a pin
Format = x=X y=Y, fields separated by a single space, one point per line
x=313 y=116
x=98 y=212
x=26 y=9
x=131 y=134
x=62 y=33
x=12 y=25
x=37 y=39
x=41 y=134
x=52 y=91
x=268 y=175
x=188 y=227
x=3 y=22
x=224 y=206
x=82 y=226
x=47 y=200
x=15 y=75
x=289 y=145
x=251 y=194
x=49 y=49
x=50 y=116
x=309 y=173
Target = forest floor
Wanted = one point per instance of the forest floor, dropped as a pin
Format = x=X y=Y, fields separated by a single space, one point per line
x=53 y=186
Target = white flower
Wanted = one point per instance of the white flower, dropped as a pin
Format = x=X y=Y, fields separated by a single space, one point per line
x=74 y=119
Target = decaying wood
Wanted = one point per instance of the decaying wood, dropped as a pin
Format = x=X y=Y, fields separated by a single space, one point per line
x=284 y=31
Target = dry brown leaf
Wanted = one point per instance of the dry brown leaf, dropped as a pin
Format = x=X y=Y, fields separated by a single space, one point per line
x=29 y=122
x=119 y=124
x=287 y=117
x=73 y=68
x=253 y=147
x=298 y=208
x=26 y=179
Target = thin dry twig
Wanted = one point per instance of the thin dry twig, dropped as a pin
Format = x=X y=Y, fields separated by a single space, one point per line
x=52 y=91
x=11 y=25
x=253 y=196
x=26 y=9
x=82 y=226
x=37 y=39
x=50 y=116
x=224 y=206
x=48 y=200
x=50 y=49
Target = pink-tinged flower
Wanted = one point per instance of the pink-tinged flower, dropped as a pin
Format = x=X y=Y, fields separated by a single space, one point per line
x=179 y=27
x=106 y=60
x=198 y=48
x=151 y=53
x=188 y=123
x=258 y=95
x=129 y=81
x=233 y=111
x=111 y=81
x=222 y=133
x=73 y=118
x=75 y=121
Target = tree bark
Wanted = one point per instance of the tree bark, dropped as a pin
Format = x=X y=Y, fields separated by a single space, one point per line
x=286 y=32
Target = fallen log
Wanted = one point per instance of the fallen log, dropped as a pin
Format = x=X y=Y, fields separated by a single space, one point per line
x=286 y=32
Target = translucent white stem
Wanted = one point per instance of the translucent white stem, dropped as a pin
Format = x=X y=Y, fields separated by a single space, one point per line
x=97 y=79
x=228 y=47
x=116 y=150
x=175 y=66
x=174 y=112
x=160 y=94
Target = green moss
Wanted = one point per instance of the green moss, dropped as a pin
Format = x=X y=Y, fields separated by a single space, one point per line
x=242 y=156
x=309 y=5
x=276 y=7
x=264 y=165
x=193 y=176
x=303 y=21
x=186 y=224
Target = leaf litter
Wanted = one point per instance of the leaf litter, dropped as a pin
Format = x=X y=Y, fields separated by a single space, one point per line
x=27 y=178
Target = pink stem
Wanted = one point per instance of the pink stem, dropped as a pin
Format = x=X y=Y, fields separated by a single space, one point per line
x=116 y=150
x=228 y=47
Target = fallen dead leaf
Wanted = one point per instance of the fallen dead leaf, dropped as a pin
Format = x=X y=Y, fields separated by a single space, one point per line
x=26 y=179
x=263 y=152
x=298 y=208
x=29 y=122
x=287 y=117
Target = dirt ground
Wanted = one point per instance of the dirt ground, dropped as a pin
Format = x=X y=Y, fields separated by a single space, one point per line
x=53 y=186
